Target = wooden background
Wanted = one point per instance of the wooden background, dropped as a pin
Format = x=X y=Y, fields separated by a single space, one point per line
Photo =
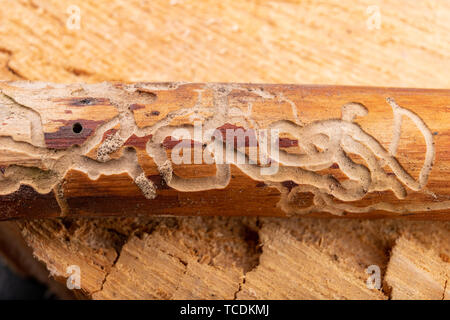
x=307 y=42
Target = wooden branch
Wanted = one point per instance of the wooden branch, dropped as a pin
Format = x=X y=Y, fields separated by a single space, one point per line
x=222 y=149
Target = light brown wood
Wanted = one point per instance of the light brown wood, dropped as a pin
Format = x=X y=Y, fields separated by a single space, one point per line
x=416 y=271
x=307 y=42
x=198 y=149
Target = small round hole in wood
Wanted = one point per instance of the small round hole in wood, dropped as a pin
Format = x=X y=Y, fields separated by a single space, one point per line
x=77 y=127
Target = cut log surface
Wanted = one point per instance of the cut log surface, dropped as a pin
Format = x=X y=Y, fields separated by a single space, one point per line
x=201 y=149
x=303 y=42
x=416 y=271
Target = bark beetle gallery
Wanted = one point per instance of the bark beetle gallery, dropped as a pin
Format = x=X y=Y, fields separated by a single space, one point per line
x=115 y=149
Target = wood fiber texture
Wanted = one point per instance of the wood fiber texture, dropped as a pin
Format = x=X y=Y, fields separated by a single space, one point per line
x=116 y=149
x=305 y=42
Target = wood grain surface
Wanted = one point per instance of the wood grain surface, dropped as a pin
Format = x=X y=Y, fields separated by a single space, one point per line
x=223 y=149
x=300 y=42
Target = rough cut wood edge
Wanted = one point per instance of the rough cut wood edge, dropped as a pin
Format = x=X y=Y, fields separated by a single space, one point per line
x=108 y=149
x=416 y=272
x=196 y=249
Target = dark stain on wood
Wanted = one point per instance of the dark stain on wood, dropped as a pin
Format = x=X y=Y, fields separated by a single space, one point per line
x=84 y=101
x=108 y=133
x=289 y=184
x=136 y=106
x=239 y=134
x=147 y=92
x=65 y=137
x=250 y=136
x=407 y=214
x=153 y=113
x=170 y=143
x=159 y=182
x=286 y=143
x=27 y=203
x=138 y=142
